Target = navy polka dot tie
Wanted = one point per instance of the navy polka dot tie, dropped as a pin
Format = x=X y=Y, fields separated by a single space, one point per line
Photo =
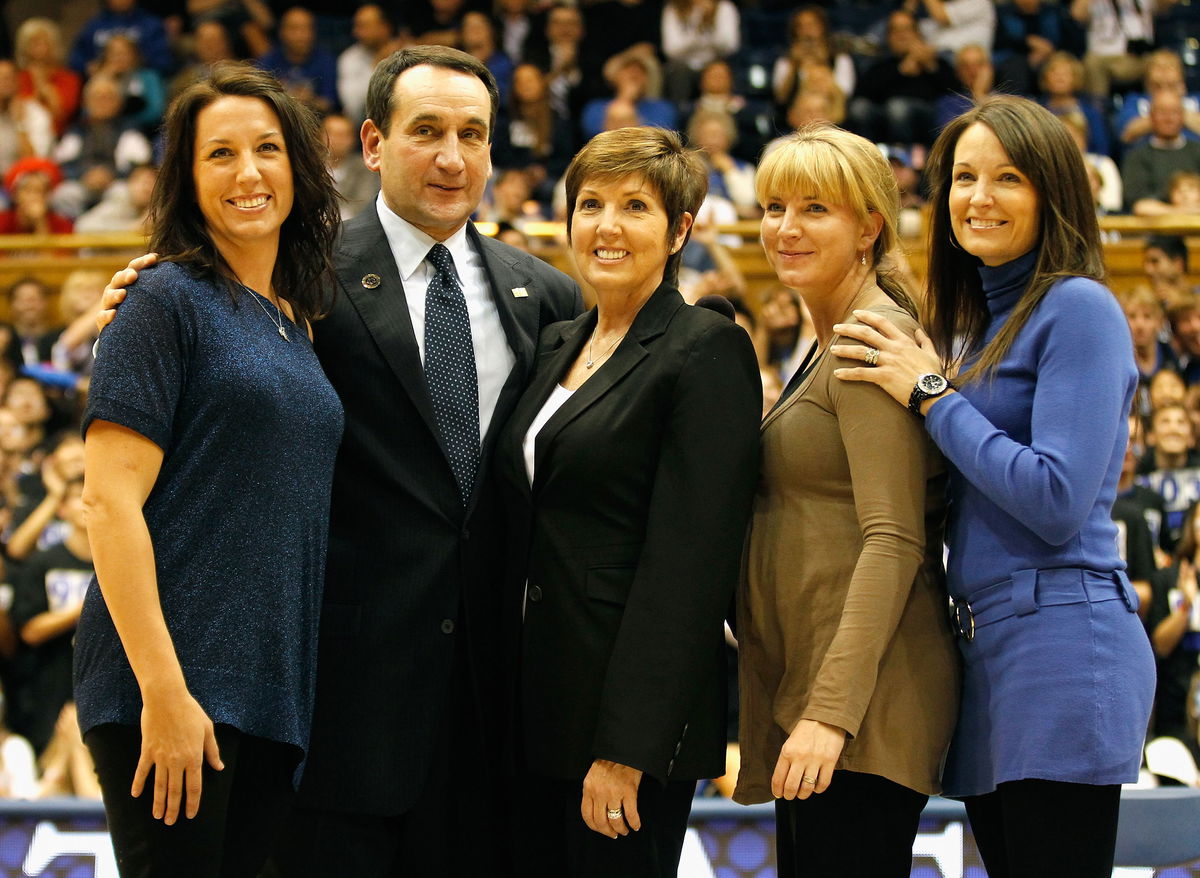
x=450 y=369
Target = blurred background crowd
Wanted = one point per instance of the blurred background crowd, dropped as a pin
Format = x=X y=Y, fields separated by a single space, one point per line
x=84 y=85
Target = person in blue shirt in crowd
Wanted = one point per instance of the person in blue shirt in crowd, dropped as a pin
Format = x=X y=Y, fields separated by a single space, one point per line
x=307 y=71
x=123 y=17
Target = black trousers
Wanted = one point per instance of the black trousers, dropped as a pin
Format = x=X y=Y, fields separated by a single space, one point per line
x=241 y=807
x=552 y=840
x=1046 y=829
x=862 y=826
x=455 y=829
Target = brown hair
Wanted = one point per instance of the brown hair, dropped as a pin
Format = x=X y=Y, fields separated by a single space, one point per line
x=656 y=155
x=1185 y=549
x=843 y=168
x=1063 y=58
x=1041 y=147
x=303 y=267
x=537 y=115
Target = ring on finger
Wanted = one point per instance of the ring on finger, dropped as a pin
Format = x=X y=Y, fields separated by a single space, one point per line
x=809 y=779
x=872 y=357
x=615 y=813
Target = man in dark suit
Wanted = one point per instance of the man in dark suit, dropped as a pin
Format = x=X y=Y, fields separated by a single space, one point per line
x=400 y=778
x=430 y=341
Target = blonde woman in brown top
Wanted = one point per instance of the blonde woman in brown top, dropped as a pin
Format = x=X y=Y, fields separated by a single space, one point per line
x=849 y=675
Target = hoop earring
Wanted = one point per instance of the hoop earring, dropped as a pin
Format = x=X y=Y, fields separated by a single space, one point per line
x=954 y=243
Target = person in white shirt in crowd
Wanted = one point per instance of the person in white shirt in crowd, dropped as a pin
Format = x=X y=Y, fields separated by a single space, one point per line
x=953 y=24
x=810 y=42
x=1119 y=34
x=374 y=38
x=695 y=32
x=99 y=149
x=123 y=207
x=26 y=128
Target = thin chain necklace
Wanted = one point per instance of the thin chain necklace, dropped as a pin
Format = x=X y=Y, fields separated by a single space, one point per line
x=591 y=361
x=278 y=321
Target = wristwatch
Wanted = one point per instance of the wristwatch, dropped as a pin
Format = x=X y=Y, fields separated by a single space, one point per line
x=928 y=386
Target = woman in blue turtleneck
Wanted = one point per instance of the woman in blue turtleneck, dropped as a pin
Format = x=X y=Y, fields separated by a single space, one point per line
x=1058 y=673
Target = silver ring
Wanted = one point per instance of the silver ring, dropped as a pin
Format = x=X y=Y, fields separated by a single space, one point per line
x=872 y=357
x=615 y=813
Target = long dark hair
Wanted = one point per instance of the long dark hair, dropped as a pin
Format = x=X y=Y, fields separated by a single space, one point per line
x=1039 y=145
x=303 y=267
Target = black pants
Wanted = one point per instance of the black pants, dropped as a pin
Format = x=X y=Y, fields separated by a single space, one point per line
x=241 y=807
x=455 y=828
x=862 y=826
x=553 y=841
x=1046 y=829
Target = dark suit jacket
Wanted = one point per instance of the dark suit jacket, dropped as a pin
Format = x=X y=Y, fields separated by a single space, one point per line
x=408 y=569
x=630 y=540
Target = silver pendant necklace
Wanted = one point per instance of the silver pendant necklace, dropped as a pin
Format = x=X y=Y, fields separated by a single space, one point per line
x=590 y=361
x=279 y=311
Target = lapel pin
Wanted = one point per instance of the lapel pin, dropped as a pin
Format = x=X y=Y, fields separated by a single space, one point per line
x=370 y=281
x=520 y=293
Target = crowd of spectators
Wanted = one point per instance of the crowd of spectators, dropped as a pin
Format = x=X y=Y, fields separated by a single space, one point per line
x=733 y=73
x=45 y=358
x=79 y=139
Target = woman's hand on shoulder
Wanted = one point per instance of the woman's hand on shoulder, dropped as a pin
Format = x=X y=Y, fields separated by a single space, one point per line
x=177 y=739
x=610 y=786
x=807 y=760
x=901 y=359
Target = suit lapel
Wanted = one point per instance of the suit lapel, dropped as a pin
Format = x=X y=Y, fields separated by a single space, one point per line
x=364 y=251
x=519 y=315
x=651 y=322
x=552 y=364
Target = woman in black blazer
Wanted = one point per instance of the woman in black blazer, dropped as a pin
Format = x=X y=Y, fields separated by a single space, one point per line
x=628 y=469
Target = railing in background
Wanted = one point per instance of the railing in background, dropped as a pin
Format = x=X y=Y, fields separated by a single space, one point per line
x=52 y=257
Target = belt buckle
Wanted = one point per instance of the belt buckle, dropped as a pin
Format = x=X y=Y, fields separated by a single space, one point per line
x=964 y=619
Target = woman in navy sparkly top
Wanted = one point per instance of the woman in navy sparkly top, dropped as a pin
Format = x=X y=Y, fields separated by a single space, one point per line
x=211 y=436
x=1058 y=675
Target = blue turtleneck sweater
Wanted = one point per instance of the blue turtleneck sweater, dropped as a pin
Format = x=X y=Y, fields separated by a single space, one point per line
x=1036 y=451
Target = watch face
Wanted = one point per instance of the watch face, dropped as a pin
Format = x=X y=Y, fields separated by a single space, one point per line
x=932 y=384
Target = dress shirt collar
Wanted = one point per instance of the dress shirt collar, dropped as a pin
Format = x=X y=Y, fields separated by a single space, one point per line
x=410 y=245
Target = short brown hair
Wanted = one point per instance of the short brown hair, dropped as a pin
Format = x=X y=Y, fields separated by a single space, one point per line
x=657 y=156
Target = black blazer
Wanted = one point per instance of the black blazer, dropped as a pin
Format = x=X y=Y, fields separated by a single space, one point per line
x=630 y=541
x=408 y=569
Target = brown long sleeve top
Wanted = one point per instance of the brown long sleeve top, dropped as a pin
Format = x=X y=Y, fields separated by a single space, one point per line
x=842 y=610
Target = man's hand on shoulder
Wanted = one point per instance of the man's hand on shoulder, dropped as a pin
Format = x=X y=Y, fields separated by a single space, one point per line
x=114 y=293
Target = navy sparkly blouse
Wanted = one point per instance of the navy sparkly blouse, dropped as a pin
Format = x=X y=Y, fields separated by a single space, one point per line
x=239 y=516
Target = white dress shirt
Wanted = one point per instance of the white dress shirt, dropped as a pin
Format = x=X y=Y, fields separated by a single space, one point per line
x=354 y=69
x=494 y=359
x=558 y=396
